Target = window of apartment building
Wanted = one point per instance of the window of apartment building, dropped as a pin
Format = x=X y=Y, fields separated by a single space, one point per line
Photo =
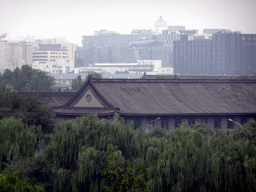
x=230 y=125
x=165 y=124
x=217 y=123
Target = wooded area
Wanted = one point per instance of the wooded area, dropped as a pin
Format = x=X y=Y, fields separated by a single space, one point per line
x=94 y=154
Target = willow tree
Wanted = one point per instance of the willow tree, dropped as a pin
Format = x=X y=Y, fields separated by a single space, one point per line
x=80 y=150
x=184 y=159
x=17 y=141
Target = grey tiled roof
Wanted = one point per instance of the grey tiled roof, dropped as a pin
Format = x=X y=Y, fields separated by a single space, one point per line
x=150 y=97
x=172 y=97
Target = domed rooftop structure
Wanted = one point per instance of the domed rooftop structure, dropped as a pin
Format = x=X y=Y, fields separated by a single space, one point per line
x=160 y=23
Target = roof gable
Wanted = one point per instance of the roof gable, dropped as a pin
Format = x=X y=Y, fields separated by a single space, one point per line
x=88 y=100
x=88 y=96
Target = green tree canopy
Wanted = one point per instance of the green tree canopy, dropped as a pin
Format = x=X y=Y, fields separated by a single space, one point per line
x=27 y=79
x=29 y=108
x=77 y=83
x=17 y=141
x=16 y=182
x=125 y=181
x=183 y=159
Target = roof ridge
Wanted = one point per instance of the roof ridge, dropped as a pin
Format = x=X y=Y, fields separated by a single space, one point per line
x=174 y=80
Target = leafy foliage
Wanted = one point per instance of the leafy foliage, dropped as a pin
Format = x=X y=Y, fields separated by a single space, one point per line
x=17 y=141
x=27 y=79
x=77 y=157
x=125 y=181
x=80 y=150
x=15 y=182
x=29 y=108
x=183 y=159
x=77 y=83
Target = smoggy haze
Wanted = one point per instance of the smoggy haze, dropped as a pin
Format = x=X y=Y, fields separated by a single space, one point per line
x=73 y=19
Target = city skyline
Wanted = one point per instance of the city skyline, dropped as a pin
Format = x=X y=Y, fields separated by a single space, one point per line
x=74 y=19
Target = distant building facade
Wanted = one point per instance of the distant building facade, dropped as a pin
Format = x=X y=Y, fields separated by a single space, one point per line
x=140 y=67
x=15 y=54
x=4 y=54
x=127 y=48
x=27 y=51
x=57 y=66
x=223 y=54
x=141 y=44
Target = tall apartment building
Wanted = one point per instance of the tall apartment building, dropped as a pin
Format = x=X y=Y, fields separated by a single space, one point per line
x=224 y=54
x=15 y=54
x=21 y=54
x=4 y=54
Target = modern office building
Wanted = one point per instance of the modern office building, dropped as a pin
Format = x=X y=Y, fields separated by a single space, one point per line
x=54 y=58
x=49 y=52
x=127 y=48
x=111 y=47
x=226 y=53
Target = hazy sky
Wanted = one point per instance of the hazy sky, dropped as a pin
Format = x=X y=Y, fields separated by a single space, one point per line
x=73 y=19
